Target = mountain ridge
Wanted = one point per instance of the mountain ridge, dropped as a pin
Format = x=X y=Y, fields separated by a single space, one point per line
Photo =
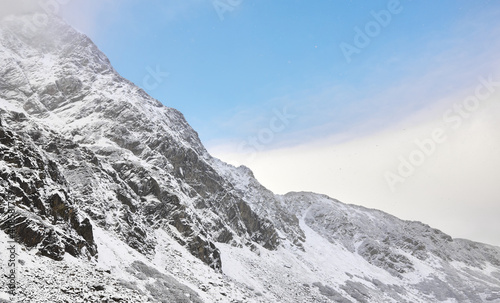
x=141 y=199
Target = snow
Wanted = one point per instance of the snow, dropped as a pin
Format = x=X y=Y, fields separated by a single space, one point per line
x=4 y=296
x=113 y=253
x=287 y=274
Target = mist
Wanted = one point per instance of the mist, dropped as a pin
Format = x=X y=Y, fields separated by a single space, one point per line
x=18 y=7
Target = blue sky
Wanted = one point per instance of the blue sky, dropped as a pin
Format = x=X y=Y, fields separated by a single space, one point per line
x=268 y=84
x=227 y=75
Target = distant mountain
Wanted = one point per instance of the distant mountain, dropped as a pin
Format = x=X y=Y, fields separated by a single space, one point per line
x=111 y=197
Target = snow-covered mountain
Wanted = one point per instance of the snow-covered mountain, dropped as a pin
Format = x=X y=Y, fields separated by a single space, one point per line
x=111 y=197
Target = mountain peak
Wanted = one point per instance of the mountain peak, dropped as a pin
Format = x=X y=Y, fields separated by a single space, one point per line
x=108 y=184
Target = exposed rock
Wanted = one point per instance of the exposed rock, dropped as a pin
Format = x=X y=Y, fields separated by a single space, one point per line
x=35 y=199
x=88 y=160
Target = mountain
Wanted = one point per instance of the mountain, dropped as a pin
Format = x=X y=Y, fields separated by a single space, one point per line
x=111 y=197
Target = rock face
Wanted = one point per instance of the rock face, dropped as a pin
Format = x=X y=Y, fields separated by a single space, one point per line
x=117 y=148
x=97 y=174
x=37 y=205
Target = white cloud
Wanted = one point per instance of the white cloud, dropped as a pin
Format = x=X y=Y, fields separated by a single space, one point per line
x=455 y=189
x=80 y=14
x=83 y=14
x=8 y=7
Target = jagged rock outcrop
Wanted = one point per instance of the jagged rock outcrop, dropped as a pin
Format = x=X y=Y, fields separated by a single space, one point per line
x=36 y=204
x=109 y=136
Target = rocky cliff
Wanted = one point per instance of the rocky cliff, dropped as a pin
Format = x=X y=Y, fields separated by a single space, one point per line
x=98 y=178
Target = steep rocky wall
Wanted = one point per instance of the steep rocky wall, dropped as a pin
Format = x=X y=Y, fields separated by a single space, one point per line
x=36 y=205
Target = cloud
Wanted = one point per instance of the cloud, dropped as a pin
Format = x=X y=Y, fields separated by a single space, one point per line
x=90 y=16
x=455 y=189
x=385 y=89
x=78 y=13
x=8 y=7
x=83 y=14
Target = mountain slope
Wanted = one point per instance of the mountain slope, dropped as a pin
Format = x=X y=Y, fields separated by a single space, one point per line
x=109 y=183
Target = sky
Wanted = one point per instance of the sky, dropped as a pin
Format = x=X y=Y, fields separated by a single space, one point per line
x=392 y=105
